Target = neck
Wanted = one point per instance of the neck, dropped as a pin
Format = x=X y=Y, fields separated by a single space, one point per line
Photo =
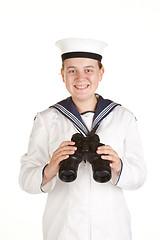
x=88 y=105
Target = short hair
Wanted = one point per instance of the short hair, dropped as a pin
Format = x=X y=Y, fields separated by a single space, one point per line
x=100 y=65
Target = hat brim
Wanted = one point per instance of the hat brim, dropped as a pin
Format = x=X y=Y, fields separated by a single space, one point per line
x=94 y=56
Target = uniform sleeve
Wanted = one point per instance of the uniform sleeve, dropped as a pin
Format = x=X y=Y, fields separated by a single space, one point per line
x=35 y=160
x=133 y=169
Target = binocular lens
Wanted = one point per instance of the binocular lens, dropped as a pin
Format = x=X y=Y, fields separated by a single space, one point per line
x=102 y=176
x=67 y=176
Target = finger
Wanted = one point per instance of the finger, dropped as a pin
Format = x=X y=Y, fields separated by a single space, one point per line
x=62 y=155
x=107 y=152
x=61 y=158
x=104 y=147
x=64 y=148
x=110 y=158
x=65 y=152
x=107 y=157
x=111 y=166
x=66 y=143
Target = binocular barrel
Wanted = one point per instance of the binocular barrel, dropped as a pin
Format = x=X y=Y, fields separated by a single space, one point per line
x=68 y=168
x=101 y=171
x=86 y=146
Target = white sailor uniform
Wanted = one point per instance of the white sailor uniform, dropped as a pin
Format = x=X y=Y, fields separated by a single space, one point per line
x=84 y=209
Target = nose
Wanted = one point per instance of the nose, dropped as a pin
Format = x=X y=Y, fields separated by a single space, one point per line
x=81 y=75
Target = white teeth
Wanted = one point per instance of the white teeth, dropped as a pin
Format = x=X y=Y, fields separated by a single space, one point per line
x=81 y=87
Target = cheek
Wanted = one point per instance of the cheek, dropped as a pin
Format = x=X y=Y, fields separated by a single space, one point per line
x=96 y=80
x=68 y=83
x=65 y=79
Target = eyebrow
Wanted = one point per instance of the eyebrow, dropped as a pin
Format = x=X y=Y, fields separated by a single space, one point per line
x=71 y=67
x=90 y=66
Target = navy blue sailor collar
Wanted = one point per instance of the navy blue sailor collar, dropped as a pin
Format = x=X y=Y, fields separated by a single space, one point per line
x=69 y=110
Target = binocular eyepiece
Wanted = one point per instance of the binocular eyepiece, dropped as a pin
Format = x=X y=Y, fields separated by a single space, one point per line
x=86 y=150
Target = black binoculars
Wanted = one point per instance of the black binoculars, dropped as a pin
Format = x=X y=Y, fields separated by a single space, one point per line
x=86 y=150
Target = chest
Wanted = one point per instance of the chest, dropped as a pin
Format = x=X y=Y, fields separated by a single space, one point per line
x=111 y=131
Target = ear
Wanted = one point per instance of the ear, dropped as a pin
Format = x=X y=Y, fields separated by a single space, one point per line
x=62 y=73
x=101 y=73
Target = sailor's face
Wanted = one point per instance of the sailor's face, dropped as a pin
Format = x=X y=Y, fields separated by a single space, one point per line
x=81 y=77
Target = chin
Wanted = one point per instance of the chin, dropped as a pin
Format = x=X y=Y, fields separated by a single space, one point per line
x=82 y=97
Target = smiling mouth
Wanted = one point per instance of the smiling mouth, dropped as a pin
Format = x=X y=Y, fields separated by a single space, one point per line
x=81 y=87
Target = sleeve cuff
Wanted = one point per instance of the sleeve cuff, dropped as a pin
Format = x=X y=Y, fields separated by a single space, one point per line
x=48 y=187
x=115 y=178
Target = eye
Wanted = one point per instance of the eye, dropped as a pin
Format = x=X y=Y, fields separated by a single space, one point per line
x=72 y=71
x=88 y=70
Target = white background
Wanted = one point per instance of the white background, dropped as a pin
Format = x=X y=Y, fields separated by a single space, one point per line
x=30 y=82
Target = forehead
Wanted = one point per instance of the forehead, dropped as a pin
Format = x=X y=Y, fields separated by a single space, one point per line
x=80 y=62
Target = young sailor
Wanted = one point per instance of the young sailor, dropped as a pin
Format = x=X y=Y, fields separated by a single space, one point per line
x=83 y=209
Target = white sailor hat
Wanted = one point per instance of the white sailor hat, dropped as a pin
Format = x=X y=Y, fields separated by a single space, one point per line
x=81 y=48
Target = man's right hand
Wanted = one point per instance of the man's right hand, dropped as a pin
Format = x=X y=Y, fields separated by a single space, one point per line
x=63 y=151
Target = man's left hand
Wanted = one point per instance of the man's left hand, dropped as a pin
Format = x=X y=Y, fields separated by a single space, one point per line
x=112 y=156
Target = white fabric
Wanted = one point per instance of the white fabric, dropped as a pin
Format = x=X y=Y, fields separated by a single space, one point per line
x=88 y=119
x=84 y=209
x=81 y=45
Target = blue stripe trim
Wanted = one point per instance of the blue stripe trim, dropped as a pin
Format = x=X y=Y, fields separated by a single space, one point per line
x=104 y=113
x=72 y=117
x=43 y=177
x=120 y=172
x=69 y=110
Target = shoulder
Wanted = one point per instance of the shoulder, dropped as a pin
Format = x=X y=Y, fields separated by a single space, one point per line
x=114 y=108
x=48 y=119
x=47 y=116
x=122 y=110
x=123 y=113
x=49 y=113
